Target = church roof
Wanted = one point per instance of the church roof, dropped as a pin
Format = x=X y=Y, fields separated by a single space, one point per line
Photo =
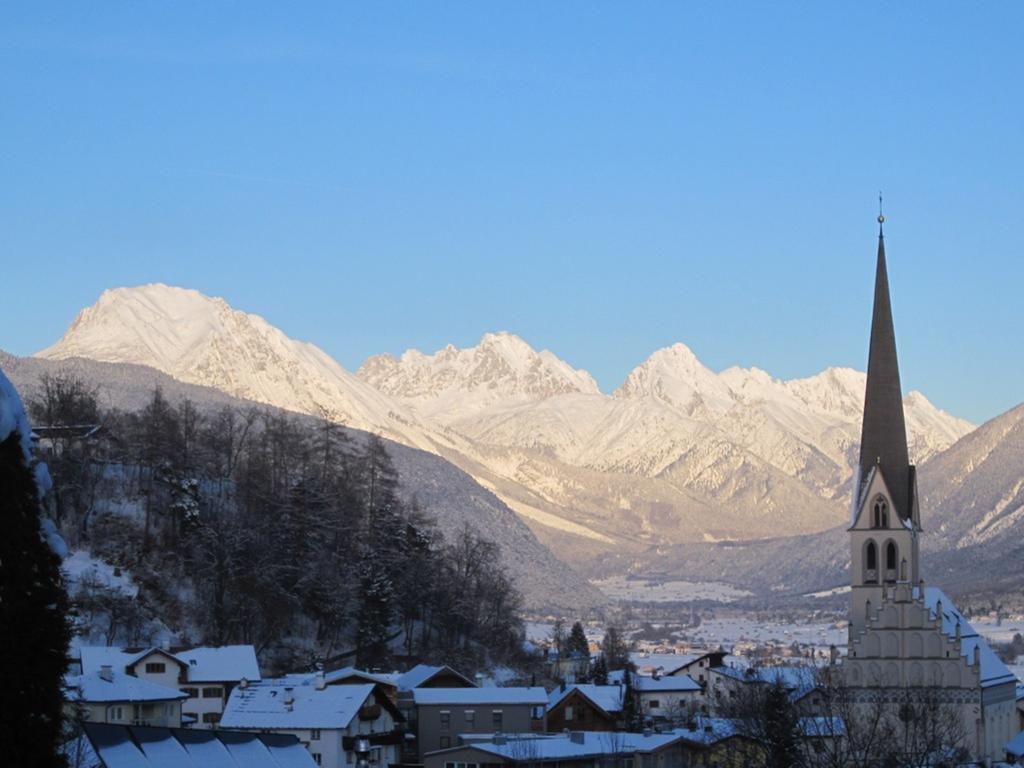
x=883 y=439
x=993 y=670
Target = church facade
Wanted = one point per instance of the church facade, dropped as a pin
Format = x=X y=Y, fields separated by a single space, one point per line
x=909 y=648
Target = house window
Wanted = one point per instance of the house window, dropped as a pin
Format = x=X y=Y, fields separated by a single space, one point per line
x=192 y=693
x=653 y=704
x=446 y=720
x=211 y=718
x=568 y=713
x=116 y=713
x=314 y=735
x=213 y=693
x=155 y=667
x=446 y=741
x=470 y=717
x=496 y=719
x=316 y=758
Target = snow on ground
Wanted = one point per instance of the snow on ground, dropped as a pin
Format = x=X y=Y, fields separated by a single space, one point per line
x=729 y=631
x=656 y=591
x=830 y=592
x=996 y=631
x=82 y=566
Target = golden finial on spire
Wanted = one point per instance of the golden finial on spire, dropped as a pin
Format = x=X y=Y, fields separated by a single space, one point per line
x=881 y=218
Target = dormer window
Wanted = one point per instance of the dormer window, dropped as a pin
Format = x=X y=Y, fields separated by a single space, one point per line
x=880 y=518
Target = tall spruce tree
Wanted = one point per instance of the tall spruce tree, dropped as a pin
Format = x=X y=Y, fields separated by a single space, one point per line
x=578 y=642
x=34 y=631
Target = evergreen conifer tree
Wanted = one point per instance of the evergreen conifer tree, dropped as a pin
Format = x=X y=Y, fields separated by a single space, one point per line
x=578 y=640
x=34 y=632
x=599 y=673
x=632 y=713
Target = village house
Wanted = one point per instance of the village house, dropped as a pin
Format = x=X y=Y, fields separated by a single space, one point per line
x=338 y=724
x=112 y=696
x=698 y=666
x=205 y=674
x=667 y=699
x=585 y=707
x=442 y=714
x=119 y=746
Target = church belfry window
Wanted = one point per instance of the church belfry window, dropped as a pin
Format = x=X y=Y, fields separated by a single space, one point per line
x=890 y=559
x=871 y=562
x=881 y=514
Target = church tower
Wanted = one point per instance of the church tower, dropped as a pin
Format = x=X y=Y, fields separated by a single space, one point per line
x=885 y=523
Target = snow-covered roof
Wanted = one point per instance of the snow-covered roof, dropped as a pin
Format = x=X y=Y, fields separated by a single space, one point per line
x=421 y=673
x=708 y=730
x=530 y=748
x=1015 y=746
x=534 y=696
x=793 y=678
x=993 y=670
x=607 y=697
x=824 y=727
x=122 y=746
x=264 y=705
x=204 y=664
x=95 y=657
x=226 y=663
x=120 y=687
x=371 y=677
x=668 y=684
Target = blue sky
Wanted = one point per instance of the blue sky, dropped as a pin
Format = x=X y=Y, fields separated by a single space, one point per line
x=601 y=179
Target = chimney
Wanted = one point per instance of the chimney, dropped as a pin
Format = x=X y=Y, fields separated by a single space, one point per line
x=289 y=698
x=321 y=681
x=647 y=732
x=165 y=643
x=243 y=683
x=576 y=737
x=107 y=673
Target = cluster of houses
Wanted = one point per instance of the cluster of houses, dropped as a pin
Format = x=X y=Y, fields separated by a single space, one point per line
x=169 y=701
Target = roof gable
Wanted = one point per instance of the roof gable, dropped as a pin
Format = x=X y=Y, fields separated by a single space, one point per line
x=992 y=669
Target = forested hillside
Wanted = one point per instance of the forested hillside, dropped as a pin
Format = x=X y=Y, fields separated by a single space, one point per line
x=251 y=525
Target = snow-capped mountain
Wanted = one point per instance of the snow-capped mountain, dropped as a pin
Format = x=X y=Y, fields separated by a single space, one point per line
x=202 y=340
x=454 y=383
x=678 y=453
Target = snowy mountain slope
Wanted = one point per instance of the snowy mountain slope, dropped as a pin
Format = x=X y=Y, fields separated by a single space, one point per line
x=972 y=511
x=442 y=490
x=678 y=453
x=202 y=340
x=738 y=438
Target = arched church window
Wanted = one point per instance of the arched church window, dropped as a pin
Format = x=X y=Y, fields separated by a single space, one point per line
x=871 y=562
x=890 y=561
x=881 y=513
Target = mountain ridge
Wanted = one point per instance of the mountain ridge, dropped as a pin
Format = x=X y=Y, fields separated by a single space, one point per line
x=678 y=453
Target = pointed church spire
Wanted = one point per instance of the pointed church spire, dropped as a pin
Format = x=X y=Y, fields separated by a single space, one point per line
x=883 y=440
